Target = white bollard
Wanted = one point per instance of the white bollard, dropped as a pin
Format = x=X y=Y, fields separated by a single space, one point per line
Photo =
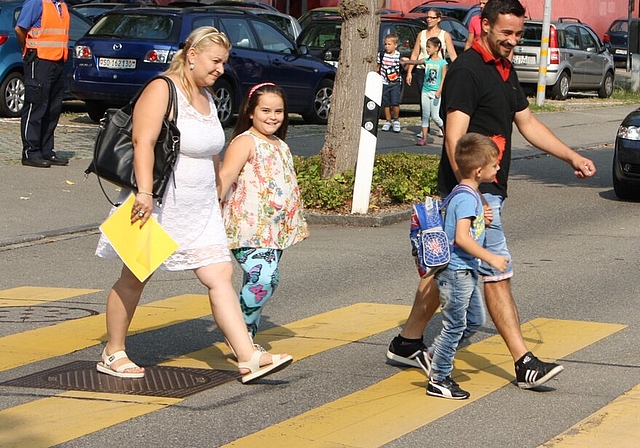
x=368 y=142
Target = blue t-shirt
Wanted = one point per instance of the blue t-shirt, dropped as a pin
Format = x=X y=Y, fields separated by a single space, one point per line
x=464 y=205
x=433 y=74
x=31 y=14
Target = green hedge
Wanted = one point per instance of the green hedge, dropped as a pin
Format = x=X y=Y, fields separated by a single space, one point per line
x=398 y=178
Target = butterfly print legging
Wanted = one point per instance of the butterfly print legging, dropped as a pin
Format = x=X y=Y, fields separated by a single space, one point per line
x=260 y=279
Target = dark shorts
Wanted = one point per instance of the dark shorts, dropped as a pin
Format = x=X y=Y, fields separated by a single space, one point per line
x=391 y=94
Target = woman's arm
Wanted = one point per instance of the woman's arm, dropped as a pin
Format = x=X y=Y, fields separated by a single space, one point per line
x=414 y=55
x=148 y=115
x=451 y=50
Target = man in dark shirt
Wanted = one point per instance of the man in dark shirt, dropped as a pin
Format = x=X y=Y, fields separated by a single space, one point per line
x=481 y=94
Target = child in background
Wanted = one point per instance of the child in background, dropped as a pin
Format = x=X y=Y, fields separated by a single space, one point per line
x=434 y=73
x=464 y=223
x=389 y=69
x=263 y=210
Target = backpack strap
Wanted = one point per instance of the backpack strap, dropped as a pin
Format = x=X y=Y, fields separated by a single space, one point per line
x=460 y=188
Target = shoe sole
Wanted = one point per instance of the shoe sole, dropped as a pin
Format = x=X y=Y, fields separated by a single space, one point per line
x=109 y=371
x=267 y=370
x=552 y=373
x=433 y=394
x=402 y=360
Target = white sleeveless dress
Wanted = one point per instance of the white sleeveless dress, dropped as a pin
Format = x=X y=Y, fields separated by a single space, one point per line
x=190 y=211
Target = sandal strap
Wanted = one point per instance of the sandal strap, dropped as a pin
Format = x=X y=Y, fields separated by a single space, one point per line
x=254 y=362
x=110 y=359
x=126 y=366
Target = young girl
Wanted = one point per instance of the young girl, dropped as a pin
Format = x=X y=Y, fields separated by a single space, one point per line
x=262 y=210
x=435 y=71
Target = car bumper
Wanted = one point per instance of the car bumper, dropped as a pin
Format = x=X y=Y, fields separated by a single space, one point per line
x=530 y=76
x=627 y=159
x=100 y=91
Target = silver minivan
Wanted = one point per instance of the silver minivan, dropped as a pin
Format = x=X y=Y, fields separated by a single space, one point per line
x=578 y=60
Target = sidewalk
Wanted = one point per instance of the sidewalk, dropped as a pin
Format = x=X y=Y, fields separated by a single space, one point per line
x=37 y=203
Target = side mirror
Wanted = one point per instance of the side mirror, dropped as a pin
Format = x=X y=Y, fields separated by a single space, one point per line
x=303 y=50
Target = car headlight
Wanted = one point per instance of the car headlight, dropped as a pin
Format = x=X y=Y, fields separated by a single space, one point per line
x=629 y=132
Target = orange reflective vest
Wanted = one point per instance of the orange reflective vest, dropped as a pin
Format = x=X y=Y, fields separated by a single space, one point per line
x=50 y=40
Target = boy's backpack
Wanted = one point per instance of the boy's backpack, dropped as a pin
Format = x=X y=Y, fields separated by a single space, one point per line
x=429 y=242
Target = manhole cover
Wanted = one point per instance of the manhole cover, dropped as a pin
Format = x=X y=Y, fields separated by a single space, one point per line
x=158 y=381
x=42 y=313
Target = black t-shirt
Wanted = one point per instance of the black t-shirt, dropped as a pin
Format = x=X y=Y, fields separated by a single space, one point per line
x=476 y=88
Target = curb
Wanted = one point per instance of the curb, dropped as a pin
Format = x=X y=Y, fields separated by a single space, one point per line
x=39 y=237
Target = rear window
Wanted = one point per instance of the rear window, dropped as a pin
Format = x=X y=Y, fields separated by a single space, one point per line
x=532 y=35
x=135 y=26
x=322 y=36
x=619 y=26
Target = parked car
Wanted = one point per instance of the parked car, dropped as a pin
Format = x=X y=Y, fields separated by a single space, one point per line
x=578 y=60
x=615 y=39
x=451 y=8
x=318 y=13
x=626 y=158
x=93 y=11
x=322 y=37
x=11 y=69
x=125 y=48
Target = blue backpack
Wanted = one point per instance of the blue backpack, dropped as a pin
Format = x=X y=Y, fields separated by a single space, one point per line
x=430 y=244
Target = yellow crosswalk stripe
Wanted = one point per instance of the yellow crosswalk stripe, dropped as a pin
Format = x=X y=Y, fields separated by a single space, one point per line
x=361 y=419
x=616 y=425
x=37 y=295
x=67 y=416
x=66 y=337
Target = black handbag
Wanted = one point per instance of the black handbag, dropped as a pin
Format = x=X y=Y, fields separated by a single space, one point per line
x=113 y=150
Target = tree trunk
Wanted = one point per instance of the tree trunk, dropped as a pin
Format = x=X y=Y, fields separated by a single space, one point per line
x=358 y=53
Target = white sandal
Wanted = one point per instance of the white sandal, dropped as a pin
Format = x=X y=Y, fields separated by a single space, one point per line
x=278 y=362
x=107 y=360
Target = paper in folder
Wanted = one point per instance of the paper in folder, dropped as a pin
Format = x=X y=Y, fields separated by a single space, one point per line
x=141 y=249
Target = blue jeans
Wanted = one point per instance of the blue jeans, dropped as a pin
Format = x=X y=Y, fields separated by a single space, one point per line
x=458 y=289
x=260 y=279
x=495 y=242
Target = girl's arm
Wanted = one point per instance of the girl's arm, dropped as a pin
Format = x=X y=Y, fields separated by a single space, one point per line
x=236 y=156
x=411 y=62
x=451 y=50
x=444 y=73
x=466 y=242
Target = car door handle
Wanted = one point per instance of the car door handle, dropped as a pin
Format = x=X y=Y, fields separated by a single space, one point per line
x=276 y=62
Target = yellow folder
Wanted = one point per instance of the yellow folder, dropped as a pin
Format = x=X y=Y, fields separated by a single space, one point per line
x=141 y=249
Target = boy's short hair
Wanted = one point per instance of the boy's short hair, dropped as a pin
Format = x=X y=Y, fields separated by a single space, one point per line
x=473 y=151
x=392 y=37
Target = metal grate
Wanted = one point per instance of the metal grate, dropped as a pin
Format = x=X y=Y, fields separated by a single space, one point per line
x=158 y=381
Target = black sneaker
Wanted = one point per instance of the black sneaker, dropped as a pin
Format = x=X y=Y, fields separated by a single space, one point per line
x=413 y=354
x=531 y=372
x=446 y=388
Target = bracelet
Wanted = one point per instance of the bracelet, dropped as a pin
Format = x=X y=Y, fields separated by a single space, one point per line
x=145 y=192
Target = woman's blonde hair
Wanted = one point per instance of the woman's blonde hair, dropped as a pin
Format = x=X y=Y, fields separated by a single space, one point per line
x=198 y=40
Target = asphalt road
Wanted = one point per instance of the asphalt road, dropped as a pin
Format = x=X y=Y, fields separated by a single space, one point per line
x=576 y=258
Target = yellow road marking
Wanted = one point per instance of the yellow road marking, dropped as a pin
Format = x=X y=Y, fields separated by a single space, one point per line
x=36 y=295
x=614 y=425
x=66 y=337
x=67 y=416
x=309 y=336
x=362 y=419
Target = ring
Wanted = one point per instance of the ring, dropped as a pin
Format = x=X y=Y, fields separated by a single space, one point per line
x=141 y=214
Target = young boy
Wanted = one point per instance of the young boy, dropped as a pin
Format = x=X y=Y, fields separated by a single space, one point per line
x=389 y=69
x=464 y=223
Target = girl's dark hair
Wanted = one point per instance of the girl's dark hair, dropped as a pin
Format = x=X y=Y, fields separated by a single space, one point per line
x=249 y=104
x=435 y=41
x=494 y=8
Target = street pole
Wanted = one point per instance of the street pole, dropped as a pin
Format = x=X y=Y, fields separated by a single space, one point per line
x=629 y=18
x=544 y=54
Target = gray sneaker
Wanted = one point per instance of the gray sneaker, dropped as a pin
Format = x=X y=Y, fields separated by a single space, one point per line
x=396 y=126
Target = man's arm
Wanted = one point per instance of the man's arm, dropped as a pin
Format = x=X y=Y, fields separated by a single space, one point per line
x=457 y=125
x=21 y=34
x=544 y=139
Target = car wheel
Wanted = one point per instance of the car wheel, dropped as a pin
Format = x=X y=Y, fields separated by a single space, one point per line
x=607 y=86
x=624 y=189
x=95 y=110
x=12 y=89
x=223 y=99
x=321 y=103
x=560 y=90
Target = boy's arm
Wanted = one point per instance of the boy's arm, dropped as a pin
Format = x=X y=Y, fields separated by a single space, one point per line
x=464 y=240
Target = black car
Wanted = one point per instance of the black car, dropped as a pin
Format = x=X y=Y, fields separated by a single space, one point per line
x=125 y=48
x=451 y=8
x=626 y=158
x=615 y=39
x=322 y=37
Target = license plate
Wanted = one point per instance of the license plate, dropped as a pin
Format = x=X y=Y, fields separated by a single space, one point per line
x=520 y=59
x=117 y=64
x=619 y=51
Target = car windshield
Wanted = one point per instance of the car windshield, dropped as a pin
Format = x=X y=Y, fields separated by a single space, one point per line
x=135 y=26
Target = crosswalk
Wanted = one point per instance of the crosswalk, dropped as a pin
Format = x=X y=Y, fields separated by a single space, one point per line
x=354 y=420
